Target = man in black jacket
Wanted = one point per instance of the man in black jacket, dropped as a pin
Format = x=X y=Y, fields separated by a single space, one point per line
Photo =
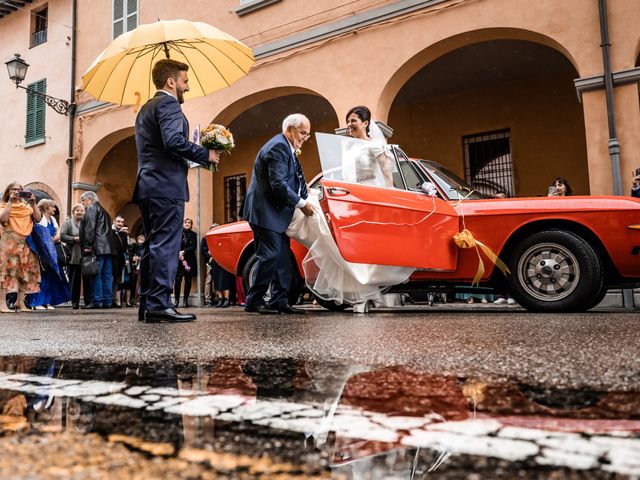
x=96 y=238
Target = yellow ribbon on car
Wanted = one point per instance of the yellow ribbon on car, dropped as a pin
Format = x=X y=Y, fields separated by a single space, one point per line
x=465 y=239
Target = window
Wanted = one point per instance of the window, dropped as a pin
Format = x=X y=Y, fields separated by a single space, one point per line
x=125 y=16
x=39 y=26
x=235 y=188
x=247 y=6
x=35 y=112
x=488 y=163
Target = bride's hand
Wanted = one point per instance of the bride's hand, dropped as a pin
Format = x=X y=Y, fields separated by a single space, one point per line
x=307 y=210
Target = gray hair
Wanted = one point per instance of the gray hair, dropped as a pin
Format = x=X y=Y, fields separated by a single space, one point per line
x=91 y=195
x=293 y=120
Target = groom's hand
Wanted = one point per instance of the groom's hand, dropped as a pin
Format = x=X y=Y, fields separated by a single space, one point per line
x=307 y=210
x=214 y=156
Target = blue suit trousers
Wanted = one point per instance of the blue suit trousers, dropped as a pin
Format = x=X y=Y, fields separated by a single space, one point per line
x=162 y=219
x=273 y=268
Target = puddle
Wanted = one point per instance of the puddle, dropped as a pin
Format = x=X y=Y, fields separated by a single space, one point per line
x=281 y=417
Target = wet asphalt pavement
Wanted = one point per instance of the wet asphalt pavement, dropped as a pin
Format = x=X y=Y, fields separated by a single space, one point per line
x=452 y=391
x=598 y=348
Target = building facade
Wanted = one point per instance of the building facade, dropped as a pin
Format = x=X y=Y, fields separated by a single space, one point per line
x=506 y=93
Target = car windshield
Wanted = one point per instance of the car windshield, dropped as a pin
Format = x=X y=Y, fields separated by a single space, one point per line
x=453 y=186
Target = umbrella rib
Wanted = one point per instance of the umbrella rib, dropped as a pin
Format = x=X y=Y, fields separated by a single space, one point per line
x=231 y=59
x=106 y=82
x=140 y=54
x=178 y=48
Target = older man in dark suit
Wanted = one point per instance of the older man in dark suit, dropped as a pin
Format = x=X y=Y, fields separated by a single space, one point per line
x=161 y=189
x=277 y=188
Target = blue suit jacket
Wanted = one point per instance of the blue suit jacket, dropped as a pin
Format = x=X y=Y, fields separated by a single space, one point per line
x=276 y=186
x=163 y=146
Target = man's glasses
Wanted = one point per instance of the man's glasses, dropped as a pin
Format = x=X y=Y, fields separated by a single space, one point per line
x=302 y=133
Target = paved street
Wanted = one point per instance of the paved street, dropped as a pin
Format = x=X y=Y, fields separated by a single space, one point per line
x=462 y=390
x=594 y=348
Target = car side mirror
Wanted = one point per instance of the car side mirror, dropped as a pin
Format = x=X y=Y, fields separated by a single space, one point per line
x=429 y=189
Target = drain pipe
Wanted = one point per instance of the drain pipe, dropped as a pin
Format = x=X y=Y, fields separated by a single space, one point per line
x=72 y=107
x=614 y=144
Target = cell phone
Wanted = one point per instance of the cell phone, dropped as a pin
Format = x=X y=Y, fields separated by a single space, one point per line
x=24 y=194
x=552 y=190
x=637 y=172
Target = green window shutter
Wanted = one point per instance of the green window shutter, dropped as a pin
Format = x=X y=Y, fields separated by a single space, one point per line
x=36 y=112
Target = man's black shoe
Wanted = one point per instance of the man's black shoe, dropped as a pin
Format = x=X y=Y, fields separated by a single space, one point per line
x=261 y=309
x=167 y=315
x=289 y=310
x=75 y=306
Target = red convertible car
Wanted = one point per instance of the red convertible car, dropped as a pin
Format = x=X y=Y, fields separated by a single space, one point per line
x=563 y=253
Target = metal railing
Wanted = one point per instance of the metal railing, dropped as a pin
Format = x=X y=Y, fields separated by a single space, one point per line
x=38 y=37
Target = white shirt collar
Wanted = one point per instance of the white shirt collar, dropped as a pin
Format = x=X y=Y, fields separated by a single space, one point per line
x=168 y=93
x=293 y=150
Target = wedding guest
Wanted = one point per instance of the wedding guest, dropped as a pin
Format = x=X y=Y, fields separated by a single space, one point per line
x=70 y=235
x=19 y=269
x=54 y=288
x=135 y=254
x=635 y=186
x=208 y=282
x=187 y=265
x=560 y=188
x=96 y=238
x=223 y=282
x=119 y=259
x=127 y=287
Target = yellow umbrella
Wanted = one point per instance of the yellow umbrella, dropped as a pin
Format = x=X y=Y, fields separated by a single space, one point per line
x=122 y=72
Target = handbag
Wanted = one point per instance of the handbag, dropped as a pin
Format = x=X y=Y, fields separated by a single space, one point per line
x=89 y=266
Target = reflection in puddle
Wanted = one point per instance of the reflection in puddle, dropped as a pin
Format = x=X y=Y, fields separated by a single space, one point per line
x=282 y=416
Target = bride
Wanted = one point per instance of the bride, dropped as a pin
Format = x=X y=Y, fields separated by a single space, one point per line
x=366 y=162
x=328 y=275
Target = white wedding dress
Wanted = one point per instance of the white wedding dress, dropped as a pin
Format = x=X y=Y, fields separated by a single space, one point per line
x=327 y=274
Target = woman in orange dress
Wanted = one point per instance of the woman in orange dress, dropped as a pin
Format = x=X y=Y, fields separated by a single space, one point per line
x=19 y=269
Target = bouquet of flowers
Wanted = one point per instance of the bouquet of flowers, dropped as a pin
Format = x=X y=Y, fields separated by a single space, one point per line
x=217 y=137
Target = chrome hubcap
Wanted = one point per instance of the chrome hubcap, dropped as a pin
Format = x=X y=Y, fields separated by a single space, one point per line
x=549 y=271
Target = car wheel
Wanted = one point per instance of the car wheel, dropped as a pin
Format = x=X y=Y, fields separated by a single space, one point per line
x=555 y=271
x=249 y=274
x=330 y=304
x=598 y=298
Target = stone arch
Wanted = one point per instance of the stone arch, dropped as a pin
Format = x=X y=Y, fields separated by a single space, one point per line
x=253 y=120
x=232 y=111
x=49 y=192
x=93 y=159
x=43 y=187
x=501 y=112
x=441 y=48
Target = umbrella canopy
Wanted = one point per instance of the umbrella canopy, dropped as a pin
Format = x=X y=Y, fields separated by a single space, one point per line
x=122 y=72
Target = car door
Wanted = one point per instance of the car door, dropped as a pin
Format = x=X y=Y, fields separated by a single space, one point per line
x=385 y=226
x=374 y=219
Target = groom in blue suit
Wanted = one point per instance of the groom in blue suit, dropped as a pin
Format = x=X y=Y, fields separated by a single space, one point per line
x=163 y=147
x=277 y=188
